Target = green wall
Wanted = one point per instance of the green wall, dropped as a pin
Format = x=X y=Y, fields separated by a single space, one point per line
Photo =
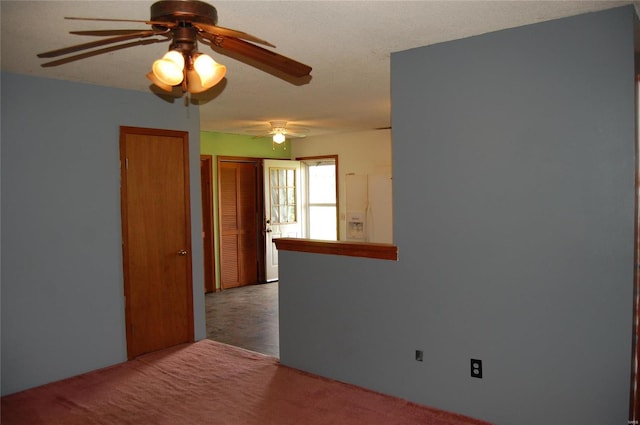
x=222 y=144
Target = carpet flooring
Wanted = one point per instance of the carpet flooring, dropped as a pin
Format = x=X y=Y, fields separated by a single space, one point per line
x=211 y=383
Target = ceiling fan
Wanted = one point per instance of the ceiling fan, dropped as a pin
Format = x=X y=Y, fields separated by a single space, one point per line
x=279 y=131
x=184 y=22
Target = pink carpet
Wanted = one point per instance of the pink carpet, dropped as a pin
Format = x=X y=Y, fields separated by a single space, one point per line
x=211 y=383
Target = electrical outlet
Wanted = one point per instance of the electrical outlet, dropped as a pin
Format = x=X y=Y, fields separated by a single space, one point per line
x=419 y=355
x=476 y=368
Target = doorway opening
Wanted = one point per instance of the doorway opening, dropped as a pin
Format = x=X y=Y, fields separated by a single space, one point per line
x=247 y=316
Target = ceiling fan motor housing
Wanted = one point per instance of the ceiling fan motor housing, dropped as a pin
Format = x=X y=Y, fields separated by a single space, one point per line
x=187 y=10
x=184 y=39
x=184 y=13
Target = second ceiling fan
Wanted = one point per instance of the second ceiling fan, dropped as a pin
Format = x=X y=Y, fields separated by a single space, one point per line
x=278 y=130
x=184 y=23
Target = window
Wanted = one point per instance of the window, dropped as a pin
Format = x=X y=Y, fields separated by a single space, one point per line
x=283 y=195
x=321 y=206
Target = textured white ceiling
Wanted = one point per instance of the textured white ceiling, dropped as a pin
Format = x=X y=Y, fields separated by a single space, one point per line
x=348 y=44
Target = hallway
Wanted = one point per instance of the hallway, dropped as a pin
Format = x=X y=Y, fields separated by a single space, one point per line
x=245 y=317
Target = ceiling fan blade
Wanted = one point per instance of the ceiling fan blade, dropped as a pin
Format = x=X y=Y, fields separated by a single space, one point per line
x=78 y=47
x=294 y=135
x=101 y=51
x=104 y=33
x=228 y=32
x=142 y=21
x=258 y=54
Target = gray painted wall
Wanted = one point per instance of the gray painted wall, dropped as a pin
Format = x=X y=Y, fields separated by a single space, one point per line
x=514 y=216
x=62 y=284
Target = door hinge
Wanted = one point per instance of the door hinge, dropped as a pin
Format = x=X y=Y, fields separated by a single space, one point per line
x=126 y=163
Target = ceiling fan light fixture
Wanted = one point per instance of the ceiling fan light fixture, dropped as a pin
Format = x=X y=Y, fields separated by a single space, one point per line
x=209 y=71
x=194 y=85
x=166 y=87
x=278 y=136
x=169 y=70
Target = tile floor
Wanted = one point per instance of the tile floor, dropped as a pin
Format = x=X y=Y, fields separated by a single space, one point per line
x=245 y=317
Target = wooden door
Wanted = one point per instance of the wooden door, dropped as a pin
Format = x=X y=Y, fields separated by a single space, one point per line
x=239 y=222
x=156 y=231
x=206 y=183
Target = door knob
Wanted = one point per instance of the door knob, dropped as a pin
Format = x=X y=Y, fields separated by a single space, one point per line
x=182 y=252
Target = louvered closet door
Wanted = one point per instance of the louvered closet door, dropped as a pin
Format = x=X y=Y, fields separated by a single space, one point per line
x=238 y=223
